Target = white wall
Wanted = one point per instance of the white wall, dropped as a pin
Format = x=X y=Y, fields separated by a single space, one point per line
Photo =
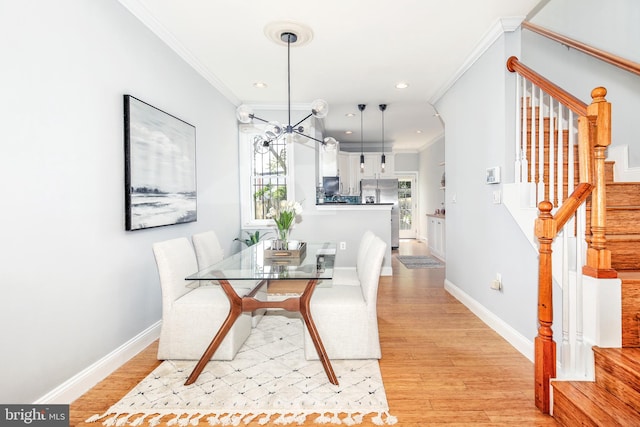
x=75 y=285
x=611 y=26
x=405 y=162
x=481 y=237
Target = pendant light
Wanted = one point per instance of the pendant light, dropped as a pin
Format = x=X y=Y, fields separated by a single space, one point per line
x=274 y=130
x=383 y=160
x=361 y=107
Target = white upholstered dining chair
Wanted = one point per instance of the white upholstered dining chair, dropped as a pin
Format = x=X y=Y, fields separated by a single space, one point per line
x=209 y=252
x=349 y=275
x=346 y=316
x=191 y=316
x=208 y=249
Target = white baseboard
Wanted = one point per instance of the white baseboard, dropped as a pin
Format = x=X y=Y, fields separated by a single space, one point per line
x=513 y=337
x=80 y=383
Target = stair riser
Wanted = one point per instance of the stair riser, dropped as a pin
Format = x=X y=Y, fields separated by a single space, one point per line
x=566 y=414
x=623 y=194
x=624 y=255
x=620 y=221
x=620 y=382
x=583 y=403
x=630 y=310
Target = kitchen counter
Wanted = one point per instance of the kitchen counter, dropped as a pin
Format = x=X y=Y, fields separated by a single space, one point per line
x=353 y=206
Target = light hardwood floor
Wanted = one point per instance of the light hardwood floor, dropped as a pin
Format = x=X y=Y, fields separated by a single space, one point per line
x=440 y=363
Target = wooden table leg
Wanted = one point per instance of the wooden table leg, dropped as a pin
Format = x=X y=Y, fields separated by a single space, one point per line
x=305 y=311
x=249 y=303
x=235 y=310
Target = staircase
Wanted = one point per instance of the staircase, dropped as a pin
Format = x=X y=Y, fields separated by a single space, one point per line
x=596 y=267
x=613 y=399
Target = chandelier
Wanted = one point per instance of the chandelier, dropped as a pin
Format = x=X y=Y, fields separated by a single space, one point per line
x=275 y=130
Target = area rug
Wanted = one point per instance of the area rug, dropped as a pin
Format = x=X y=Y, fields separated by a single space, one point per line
x=269 y=381
x=420 y=261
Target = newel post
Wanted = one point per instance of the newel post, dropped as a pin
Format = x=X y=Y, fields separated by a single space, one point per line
x=545 y=347
x=598 y=256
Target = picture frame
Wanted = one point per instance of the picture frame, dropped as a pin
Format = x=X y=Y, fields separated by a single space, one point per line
x=160 y=167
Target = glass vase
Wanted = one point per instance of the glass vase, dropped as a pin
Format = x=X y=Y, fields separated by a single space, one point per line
x=283 y=235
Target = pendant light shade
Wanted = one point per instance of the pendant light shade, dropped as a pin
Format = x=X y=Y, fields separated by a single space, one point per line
x=361 y=107
x=383 y=159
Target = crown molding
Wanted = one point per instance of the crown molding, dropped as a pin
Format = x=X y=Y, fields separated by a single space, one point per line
x=432 y=141
x=138 y=10
x=501 y=26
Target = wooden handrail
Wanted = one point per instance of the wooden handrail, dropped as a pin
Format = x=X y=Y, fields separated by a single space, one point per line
x=625 y=64
x=571 y=205
x=573 y=103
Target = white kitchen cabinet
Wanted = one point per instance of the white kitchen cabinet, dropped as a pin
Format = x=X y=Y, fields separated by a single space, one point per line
x=372 y=166
x=350 y=173
x=436 y=236
x=328 y=163
x=347 y=172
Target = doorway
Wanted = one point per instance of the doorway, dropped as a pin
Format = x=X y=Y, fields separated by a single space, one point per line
x=407 y=200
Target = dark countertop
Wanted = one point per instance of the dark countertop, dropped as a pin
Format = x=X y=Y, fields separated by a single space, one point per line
x=352 y=204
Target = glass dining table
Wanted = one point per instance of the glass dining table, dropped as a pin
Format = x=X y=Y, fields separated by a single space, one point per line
x=245 y=276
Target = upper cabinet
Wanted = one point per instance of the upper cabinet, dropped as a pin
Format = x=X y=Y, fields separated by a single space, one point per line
x=347 y=172
x=327 y=163
x=350 y=173
x=373 y=166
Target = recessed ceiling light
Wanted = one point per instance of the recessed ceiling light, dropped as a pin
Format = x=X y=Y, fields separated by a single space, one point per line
x=418 y=131
x=348 y=132
x=260 y=85
x=402 y=85
x=350 y=114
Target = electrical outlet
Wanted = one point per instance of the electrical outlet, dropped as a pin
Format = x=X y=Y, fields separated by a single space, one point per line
x=497 y=197
x=343 y=246
x=496 y=284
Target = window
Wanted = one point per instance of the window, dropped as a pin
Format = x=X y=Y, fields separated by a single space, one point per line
x=266 y=177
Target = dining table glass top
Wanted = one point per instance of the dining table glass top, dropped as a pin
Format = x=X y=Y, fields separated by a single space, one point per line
x=253 y=263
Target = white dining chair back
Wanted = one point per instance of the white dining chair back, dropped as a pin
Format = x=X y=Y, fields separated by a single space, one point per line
x=365 y=241
x=208 y=249
x=350 y=275
x=209 y=252
x=369 y=273
x=175 y=261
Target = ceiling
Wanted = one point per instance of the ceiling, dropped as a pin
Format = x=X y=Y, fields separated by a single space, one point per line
x=358 y=51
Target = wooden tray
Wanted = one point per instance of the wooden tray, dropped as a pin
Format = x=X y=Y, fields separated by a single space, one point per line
x=297 y=254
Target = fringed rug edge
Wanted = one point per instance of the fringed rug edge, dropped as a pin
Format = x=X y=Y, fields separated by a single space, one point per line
x=193 y=418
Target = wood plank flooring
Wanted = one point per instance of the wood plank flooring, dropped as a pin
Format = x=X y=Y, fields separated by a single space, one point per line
x=440 y=365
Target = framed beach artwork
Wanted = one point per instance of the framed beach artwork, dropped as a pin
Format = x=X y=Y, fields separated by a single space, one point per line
x=160 y=167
